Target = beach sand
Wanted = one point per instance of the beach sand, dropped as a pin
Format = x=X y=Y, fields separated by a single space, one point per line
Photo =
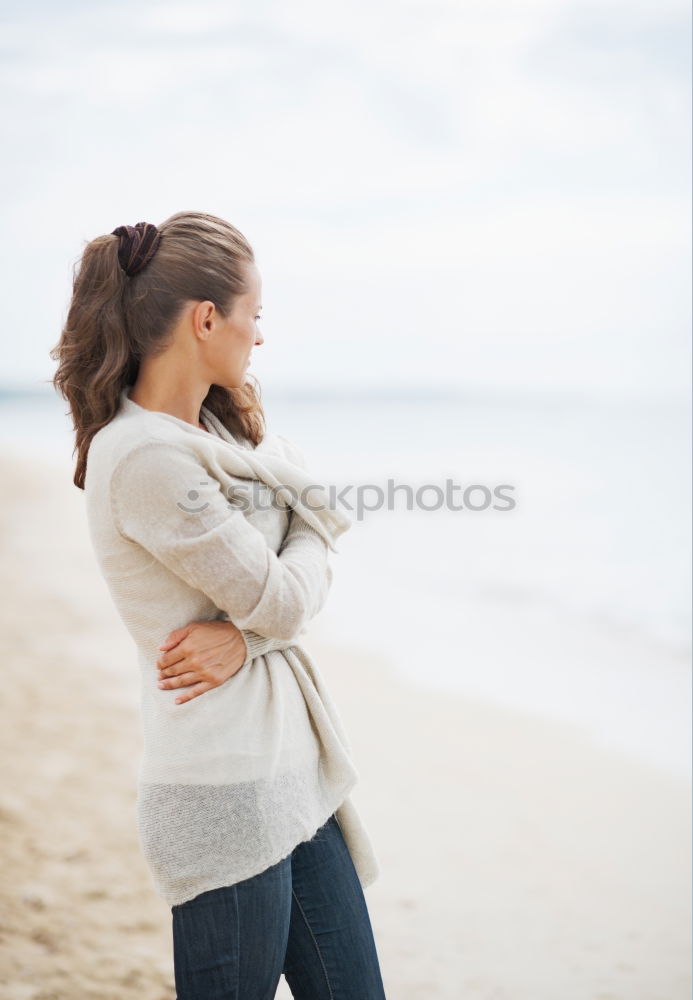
x=519 y=861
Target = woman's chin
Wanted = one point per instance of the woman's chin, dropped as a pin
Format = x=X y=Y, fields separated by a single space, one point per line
x=235 y=381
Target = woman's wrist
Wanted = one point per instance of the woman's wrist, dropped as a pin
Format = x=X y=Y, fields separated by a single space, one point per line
x=258 y=645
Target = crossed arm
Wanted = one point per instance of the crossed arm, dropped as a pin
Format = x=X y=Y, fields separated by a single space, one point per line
x=267 y=598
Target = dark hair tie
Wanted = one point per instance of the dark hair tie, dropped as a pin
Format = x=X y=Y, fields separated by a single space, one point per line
x=137 y=245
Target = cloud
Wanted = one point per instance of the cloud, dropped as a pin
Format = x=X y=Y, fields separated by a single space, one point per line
x=526 y=163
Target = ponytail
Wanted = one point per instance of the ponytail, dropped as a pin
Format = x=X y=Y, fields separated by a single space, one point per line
x=95 y=355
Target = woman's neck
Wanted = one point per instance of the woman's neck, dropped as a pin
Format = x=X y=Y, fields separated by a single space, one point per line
x=183 y=402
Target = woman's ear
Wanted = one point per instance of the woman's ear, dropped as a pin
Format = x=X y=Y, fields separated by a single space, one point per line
x=204 y=317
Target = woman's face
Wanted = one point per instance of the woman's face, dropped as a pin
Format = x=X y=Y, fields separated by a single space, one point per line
x=228 y=349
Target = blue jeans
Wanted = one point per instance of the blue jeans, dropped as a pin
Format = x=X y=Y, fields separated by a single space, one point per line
x=305 y=917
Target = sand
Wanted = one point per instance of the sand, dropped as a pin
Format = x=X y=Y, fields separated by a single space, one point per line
x=519 y=860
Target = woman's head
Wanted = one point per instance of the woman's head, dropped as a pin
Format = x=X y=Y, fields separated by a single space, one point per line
x=190 y=285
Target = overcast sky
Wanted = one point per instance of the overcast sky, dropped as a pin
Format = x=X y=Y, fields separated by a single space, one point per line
x=487 y=194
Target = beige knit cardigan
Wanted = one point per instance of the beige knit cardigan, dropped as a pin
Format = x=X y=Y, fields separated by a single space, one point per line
x=187 y=525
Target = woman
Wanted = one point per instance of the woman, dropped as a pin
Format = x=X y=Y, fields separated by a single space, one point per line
x=214 y=542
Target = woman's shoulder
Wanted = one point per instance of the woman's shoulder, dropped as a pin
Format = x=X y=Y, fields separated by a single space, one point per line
x=124 y=433
x=138 y=440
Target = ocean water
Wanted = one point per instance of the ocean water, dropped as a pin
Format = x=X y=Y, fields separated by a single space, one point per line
x=574 y=601
x=601 y=525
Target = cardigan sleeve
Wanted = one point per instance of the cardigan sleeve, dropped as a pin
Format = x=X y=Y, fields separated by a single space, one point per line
x=258 y=645
x=296 y=522
x=164 y=499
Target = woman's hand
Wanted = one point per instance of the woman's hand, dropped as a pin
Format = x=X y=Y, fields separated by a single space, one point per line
x=200 y=656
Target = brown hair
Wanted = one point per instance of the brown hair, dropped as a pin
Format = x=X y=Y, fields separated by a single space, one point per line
x=114 y=320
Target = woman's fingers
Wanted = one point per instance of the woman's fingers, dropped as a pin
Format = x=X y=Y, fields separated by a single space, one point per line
x=181 y=662
x=170 y=658
x=194 y=691
x=173 y=638
x=177 y=668
x=186 y=680
x=180 y=680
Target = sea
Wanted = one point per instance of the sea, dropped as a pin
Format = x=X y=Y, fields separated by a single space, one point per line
x=525 y=548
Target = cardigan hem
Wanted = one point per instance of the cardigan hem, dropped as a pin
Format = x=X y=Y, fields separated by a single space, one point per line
x=284 y=853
